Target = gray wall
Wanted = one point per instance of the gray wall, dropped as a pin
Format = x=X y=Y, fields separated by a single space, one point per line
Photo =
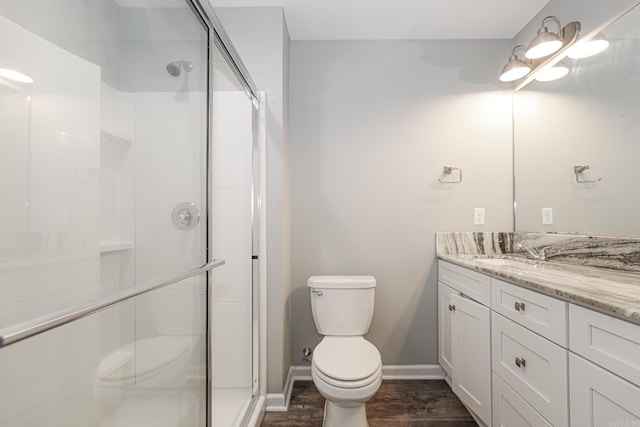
x=372 y=125
x=261 y=38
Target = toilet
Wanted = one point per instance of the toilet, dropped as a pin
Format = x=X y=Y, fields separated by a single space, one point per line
x=345 y=368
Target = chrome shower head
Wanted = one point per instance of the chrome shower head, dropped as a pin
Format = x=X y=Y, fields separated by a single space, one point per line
x=174 y=68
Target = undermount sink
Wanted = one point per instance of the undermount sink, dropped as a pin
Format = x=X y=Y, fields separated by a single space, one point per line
x=503 y=262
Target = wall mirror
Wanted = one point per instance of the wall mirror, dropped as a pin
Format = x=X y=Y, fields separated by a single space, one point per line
x=577 y=142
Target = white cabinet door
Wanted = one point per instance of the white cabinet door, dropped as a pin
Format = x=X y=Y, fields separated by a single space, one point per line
x=444 y=328
x=611 y=343
x=511 y=410
x=599 y=398
x=471 y=355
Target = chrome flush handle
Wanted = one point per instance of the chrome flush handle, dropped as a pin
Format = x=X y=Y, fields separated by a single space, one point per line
x=316 y=292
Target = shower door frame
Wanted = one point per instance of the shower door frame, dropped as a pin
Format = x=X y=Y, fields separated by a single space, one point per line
x=218 y=37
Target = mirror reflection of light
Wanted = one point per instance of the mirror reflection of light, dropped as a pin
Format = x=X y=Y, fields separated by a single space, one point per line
x=587 y=48
x=14 y=75
x=552 y=73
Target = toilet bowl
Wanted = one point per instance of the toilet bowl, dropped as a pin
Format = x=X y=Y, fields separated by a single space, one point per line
x=345 y=368
x=150 y=362
x=347 y=371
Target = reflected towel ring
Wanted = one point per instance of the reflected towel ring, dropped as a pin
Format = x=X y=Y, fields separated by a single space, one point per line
x=448 y=170
x=579 y=170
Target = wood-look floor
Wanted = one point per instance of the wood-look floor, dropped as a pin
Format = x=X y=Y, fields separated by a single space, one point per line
x=397 y=404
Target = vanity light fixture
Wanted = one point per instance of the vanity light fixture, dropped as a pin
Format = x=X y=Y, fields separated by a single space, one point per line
x=14 y=75
x=545 y=43
x=516 y=68
x=544 y=51
x=588 y=47
x=550 y=73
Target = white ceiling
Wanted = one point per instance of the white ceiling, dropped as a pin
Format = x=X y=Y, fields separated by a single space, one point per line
x=400 y=19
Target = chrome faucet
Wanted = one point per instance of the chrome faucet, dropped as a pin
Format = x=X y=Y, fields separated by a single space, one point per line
x=536 y=254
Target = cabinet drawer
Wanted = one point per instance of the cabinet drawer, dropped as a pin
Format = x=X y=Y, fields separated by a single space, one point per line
x=542 y=314
x=599 y=398
x=510 y=410
x=533 y=366
x=475 y=285
x=611 y=343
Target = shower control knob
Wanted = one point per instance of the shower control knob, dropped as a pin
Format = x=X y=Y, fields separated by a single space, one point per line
x=185 y=215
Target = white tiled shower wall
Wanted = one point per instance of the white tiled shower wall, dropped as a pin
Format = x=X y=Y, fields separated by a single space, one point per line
x=165 y=176
x=231 y=199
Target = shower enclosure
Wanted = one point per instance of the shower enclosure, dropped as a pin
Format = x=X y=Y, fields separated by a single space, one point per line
x=129 y=177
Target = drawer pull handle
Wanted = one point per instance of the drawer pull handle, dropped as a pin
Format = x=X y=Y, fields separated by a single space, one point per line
x=520 y=363
x=452 y=307
x=519 y=306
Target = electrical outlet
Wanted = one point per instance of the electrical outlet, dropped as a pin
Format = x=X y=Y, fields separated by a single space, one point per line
x=478 y=216
x=547 y=216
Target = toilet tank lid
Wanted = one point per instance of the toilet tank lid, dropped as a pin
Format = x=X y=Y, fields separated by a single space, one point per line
x=337 y=282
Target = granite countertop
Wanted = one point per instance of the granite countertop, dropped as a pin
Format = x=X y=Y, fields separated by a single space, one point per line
x=613 y=292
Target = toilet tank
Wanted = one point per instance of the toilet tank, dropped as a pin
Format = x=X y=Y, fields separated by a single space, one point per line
x=342 y=305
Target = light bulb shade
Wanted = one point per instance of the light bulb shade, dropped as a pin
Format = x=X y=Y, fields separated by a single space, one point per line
x=544 y=44
x=556 y=72
x=514 y=70
x=587 y=48
x=14 y=75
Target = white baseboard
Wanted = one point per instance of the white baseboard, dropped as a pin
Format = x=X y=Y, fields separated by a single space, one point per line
x=412 y=372
x=301 y=373
x=280 y=401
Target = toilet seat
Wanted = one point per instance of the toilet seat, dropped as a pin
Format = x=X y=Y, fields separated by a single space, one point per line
x=346 y=384
x=347 y=362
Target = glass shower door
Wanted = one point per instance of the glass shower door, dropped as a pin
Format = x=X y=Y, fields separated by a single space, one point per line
x=104 y=186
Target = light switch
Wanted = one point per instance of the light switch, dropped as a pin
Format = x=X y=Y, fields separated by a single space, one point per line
x=478 y=216
x=547 y=216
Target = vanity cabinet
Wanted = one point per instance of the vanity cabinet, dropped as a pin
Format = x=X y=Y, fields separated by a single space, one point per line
x=465 y=335
x=551 y=363
x=608 y=394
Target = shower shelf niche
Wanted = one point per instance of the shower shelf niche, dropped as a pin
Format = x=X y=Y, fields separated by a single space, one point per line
x=106 y=247
x=115 y=136
x=117 y=187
